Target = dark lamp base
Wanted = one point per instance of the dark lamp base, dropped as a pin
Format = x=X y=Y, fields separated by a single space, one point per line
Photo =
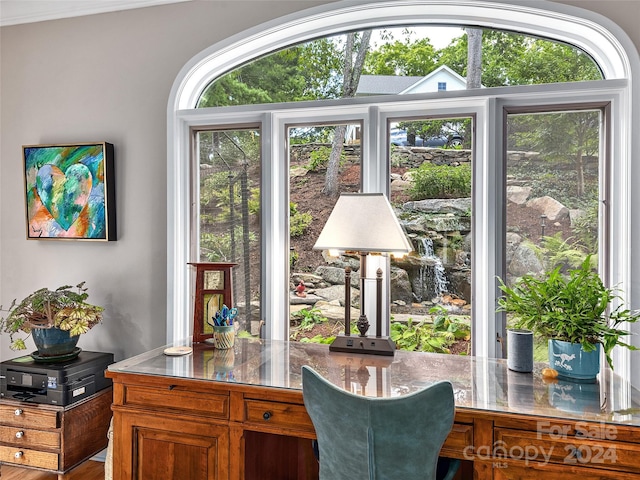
x=368 y=344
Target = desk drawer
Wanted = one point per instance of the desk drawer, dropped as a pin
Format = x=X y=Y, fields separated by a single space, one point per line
x=567 y=450
x=460 y=437
x=29 y=437
x=27 y=457
x=277 y=414
x=28 y=416
x=519 y=471
x=178 y=400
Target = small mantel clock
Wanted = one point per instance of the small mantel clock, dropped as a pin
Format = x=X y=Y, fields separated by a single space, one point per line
x=213 y=290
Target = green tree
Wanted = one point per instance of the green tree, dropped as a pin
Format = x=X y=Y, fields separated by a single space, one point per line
x=547 y=62
x=304 y=72
x=270 y=79
x=402 y=58
x=559 y=137
x=515 y=59
x=320 y=62
x=500 y=50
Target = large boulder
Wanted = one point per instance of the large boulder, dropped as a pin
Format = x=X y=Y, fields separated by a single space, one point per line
x=335 y=293
x=400 y=186
x=335 y=275
x=335 y=312
x=518 y=194
x=549 y=206
x=457 y=206
x=400 y=286
x=523 y=261
x=309 y=279
x=460 y=283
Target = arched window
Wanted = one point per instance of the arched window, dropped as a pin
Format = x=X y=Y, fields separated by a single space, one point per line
x=492 y=112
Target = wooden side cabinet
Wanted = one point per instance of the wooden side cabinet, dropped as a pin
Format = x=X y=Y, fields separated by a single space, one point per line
x=54 y=438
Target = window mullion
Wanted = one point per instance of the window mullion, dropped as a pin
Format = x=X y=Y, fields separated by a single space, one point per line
x=488 y=230
x=275 y=220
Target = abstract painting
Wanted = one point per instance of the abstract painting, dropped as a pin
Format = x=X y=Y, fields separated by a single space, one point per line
x=70 y=191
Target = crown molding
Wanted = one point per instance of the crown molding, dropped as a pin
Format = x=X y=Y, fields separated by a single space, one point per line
x=15 y=12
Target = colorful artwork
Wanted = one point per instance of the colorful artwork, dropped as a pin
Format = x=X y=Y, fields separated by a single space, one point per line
x=70 y=192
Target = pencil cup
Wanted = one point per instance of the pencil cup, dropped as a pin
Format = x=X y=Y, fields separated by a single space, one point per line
x=224 y=336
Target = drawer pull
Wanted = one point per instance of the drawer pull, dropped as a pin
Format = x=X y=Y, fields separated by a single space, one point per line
x=267 y=416
x=19 y=434
x=18 y=411
x=18 y=454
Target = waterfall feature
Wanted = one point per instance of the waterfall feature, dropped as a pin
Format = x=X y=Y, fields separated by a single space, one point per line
x=430 y=282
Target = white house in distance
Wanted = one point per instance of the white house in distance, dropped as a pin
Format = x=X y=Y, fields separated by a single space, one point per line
x=442 y=79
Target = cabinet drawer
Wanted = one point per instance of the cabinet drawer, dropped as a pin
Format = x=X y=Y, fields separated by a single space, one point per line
x=520 y=471
x=177 y=400
x=29 y=437
x=31 y=458
x=535 y=447
x=460 y=437
x=28 y=416
x=277 y=414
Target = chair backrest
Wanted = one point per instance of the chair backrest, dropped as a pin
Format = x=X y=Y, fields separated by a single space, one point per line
x=366 y=438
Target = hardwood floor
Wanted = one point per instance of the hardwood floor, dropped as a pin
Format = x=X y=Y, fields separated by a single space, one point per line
x=89 y=470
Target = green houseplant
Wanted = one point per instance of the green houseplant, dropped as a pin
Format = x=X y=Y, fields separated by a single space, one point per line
x=574 y=307
x=64 y=309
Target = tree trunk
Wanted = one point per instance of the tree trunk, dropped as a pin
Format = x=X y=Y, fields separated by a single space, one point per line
x=580 y=173
x=474 y=57
x=331 y=182
x=351 y=73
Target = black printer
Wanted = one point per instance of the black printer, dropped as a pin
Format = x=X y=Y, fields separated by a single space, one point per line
x=64 y=383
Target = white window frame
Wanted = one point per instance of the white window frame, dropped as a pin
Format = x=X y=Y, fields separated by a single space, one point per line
x=598 y=36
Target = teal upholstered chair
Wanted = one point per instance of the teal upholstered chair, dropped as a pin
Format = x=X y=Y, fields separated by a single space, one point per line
x=362 y=438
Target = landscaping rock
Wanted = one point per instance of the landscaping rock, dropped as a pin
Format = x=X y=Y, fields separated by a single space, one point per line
x=517 y=194
x=549 y=206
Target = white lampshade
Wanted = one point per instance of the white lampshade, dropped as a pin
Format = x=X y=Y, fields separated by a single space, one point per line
x=363 y=222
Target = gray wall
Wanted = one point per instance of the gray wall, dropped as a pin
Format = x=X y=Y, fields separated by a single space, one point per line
x=107 y=77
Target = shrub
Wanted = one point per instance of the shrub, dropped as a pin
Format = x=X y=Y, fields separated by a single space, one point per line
x=319 y=158
x=441 y=181
x=554 y=251
x=298 y=221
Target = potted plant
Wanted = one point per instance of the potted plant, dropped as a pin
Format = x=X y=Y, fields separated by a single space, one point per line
x=574 y=312
x=54 y=318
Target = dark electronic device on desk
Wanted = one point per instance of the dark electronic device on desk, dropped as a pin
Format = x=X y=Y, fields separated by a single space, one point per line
x=62 y=384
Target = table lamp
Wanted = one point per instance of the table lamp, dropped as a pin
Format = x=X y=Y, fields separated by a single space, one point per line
x=363 y=223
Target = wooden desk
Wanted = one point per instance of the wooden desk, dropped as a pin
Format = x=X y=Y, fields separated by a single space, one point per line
x=240 y=415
